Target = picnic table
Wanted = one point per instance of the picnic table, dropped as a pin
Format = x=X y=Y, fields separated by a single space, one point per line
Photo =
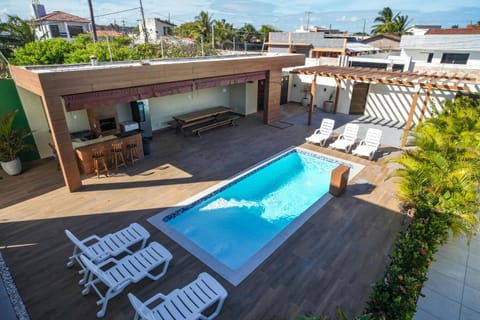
x=205 y=119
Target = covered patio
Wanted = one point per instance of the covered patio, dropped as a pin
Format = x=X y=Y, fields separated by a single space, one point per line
x=332 y=260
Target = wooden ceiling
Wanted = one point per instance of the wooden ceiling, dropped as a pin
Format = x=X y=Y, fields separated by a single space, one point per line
x=435 y=80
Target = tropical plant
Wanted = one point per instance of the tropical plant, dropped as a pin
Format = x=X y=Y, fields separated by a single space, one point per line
x=203 y=23
x=15 y=33
x=387 y=22
x=12 y=140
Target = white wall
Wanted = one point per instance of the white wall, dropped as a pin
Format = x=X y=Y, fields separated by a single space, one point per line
x=325 y=86
x=77 y=120
x=393 y=102
x=162 y=109
x=237 y=98
x=33 y=107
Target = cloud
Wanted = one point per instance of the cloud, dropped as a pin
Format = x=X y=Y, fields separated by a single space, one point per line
x=347 y=19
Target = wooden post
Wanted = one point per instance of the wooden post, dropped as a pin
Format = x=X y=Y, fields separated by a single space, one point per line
x=410 y=117
x=312 y=96
x=63 y=143
x=337 y=94
x=274 y=88
x=425 y=101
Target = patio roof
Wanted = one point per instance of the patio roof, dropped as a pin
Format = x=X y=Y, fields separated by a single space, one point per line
x=427 y=81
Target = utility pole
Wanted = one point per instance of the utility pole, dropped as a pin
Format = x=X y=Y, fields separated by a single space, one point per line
x=364 y=22
x=145 y=33
x=308 y=13
x=94 y=28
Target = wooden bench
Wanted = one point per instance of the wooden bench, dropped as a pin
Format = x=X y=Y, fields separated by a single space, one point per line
x=230 y=119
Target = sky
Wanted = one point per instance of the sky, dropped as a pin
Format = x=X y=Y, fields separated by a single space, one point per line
x=286 y=15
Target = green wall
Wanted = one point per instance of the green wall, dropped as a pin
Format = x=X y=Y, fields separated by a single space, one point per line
x=9 y=100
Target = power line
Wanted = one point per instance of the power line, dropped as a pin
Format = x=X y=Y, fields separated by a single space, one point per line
x=108 y=14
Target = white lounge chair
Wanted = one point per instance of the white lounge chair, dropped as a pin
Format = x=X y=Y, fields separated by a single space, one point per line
x=368 y=147
x=322 y=134
x=98 y=249
x=129 y=269
x=347 y=139
x=186 y=303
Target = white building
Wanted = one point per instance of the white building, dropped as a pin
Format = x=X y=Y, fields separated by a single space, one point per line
x=59 y=24
x=446 y=50
x=421 y=29
x=156 y=28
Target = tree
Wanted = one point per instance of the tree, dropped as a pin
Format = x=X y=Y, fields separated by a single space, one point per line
x=15 y=33
x=52 y=51
x=204 y=24
x=387 y=22
x=443 y=171
x=265 y=30
x=248 y=33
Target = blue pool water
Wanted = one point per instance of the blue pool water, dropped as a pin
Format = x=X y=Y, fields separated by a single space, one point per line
x=235 y=222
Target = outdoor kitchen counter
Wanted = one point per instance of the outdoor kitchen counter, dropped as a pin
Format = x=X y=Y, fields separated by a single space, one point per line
x=85 y=149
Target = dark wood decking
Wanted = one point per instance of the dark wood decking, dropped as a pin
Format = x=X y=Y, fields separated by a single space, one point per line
x=332 y=260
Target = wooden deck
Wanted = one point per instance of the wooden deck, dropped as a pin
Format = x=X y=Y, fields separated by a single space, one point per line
x=332 y=260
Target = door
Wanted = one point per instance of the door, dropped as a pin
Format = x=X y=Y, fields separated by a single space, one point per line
x=261 y=95
x=359 y=98
x=284 y=92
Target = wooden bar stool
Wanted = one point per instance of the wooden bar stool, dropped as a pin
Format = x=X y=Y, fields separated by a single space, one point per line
x=132 y=153
x=117 y=155
x=99 y=164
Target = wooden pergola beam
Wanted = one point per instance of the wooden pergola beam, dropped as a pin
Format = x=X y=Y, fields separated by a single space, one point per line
x=410 y=118
x=337 y=94
x=313 y=90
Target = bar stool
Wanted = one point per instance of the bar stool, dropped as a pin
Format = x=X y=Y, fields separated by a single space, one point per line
x=99 y=164
x=117 y=155
x=132 y=153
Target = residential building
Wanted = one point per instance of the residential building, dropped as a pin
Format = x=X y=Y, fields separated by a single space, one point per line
x=421 y=29
x=156 y=28
x=58 y=24
x=448 y=50
x=317 y=44
x=386 y=42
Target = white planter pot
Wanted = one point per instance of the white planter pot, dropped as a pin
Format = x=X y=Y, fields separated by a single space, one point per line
x=305 y=102
x=13 y=167
x=328 y=106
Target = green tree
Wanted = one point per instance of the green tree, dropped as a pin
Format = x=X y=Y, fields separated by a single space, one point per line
x=248 y=33
x=52 y=51
x=265 y=30
x=15 y=33
x=224 y=33
x=187 y=30
x=443 y=171
x=203 y=23
x=387 y=22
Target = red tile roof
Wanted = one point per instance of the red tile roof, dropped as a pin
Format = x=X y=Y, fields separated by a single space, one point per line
x=109 y=33
x=63 y=17
x=453 y=31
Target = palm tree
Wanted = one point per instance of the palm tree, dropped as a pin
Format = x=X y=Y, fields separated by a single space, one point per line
x=443 y=171
x=204 y=23
x=387 y=22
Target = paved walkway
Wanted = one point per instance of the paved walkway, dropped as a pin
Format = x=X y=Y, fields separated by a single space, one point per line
x=452 y=291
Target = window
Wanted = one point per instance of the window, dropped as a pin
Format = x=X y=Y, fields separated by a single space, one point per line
x=54 y=31
x=430 y=57
x=455 y=58
x=75 y=30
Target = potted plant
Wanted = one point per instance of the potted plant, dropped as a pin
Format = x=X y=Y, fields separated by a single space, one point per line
x=306 y=91
x=12 y=141
x=328 y=104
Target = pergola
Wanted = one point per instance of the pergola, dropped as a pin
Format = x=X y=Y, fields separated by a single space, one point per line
x=426 y=81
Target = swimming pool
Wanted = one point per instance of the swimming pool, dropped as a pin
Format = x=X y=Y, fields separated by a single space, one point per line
x=236 y=225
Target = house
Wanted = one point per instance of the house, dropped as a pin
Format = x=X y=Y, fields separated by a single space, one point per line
x=317 y=44
x=386 y=42
x=58 y=24
x=421 y=29
x=156 y=28
x=447 y=50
